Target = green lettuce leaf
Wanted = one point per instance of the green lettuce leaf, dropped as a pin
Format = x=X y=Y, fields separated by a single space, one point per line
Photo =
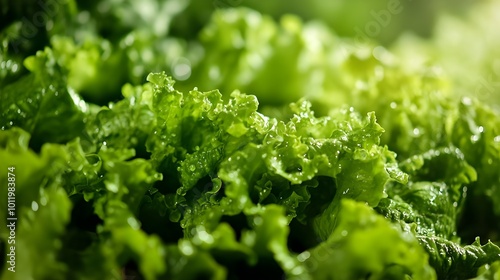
x=477 y=133
x=431 y=205
x=392 y=253
x=39 y=201
x=201 y=128
x=40 y=101
x=86 y=65
x=245 y=50
x=453 y=261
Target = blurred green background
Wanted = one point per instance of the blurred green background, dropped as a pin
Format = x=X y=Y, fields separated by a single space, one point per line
x=133 y=38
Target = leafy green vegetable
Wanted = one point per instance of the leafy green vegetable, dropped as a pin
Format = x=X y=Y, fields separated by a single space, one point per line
x=40 y=101
x=230 y=134
x=476 y=132
x=254 y=149
x=392 y=253
x=47 y=204
x=465 y=260
x=489 y=272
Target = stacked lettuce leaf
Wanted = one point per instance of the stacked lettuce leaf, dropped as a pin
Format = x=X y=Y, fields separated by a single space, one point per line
x=258 y=149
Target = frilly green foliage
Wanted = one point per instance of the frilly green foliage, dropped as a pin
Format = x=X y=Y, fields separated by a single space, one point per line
x=279 y=149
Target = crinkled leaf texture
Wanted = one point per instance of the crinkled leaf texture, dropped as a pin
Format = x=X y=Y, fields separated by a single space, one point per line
x=430 y=206
x=260 y=159
x=452 y=260
x=364 y=245
x=39 y=201
x=203 y=185
x=41 y=101
x=189 y=185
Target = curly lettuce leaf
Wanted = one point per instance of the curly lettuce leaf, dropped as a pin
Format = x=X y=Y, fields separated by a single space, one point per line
x=261 y=251
x=410 y=103
x=125 y=124
x=198 y=184
x=451 y=260
x=476 y=132
x=39 y=201
x=392 y=253
x=87 y=65
x=364 y=173
x=434 y=198
x=245 y=50
x=201 y=128
x=40 y=101
x=430 y=206
x=263 y=161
